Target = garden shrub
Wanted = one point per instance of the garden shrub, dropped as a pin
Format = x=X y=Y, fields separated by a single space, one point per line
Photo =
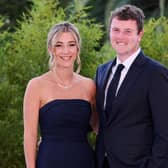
x=155 y=40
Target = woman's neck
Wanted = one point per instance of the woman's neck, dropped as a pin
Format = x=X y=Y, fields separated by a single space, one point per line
x=63 y=77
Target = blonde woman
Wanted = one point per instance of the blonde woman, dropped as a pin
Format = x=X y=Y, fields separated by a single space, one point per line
x=62 y=103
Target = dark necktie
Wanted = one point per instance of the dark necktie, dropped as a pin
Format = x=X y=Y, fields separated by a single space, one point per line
x=111 y=92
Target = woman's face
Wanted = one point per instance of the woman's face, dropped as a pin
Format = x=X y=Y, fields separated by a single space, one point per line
x=64 y=49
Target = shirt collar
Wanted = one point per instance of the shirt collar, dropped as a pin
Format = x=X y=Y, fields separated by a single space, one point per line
x=127 y=63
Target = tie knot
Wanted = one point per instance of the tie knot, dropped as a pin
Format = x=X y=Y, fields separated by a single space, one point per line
x=120 y=68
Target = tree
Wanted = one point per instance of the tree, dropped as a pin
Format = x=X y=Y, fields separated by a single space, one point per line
x=13 y=10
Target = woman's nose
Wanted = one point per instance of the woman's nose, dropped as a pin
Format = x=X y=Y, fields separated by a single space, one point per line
x=65 y=49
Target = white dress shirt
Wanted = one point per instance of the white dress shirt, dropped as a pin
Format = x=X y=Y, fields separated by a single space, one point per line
x=127 y=63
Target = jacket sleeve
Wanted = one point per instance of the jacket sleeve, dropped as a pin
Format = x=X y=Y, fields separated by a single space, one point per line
x=158 y=100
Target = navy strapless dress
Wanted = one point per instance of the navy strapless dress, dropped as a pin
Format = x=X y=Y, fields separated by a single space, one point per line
x=64 y=127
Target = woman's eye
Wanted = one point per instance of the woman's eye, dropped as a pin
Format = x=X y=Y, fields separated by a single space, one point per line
x=57 y=45
x=115 y=30
x=73 y=44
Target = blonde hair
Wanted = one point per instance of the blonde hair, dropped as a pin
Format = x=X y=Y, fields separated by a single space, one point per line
x=55 y=31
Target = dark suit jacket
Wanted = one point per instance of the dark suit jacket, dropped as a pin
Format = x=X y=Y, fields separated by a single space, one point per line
x=136 y=133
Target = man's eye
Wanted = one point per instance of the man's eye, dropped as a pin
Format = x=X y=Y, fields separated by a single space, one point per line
x=128 y=32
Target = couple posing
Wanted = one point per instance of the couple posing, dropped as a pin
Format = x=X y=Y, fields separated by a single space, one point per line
x=131 y=103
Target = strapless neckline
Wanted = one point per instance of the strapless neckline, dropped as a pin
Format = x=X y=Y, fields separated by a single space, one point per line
x=64 y=101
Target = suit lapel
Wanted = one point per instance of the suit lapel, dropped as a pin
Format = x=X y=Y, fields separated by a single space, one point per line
x=127 y=84
x=107 y=73
x=105 y=76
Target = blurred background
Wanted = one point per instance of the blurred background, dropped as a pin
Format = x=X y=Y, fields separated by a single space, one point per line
x=12 y=10
x=24 y=25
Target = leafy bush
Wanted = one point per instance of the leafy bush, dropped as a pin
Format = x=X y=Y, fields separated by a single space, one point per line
x=155 y=40
x=11 y=152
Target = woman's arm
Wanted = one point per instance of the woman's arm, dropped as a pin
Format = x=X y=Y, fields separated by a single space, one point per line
x=94 y=117
x=30 y=117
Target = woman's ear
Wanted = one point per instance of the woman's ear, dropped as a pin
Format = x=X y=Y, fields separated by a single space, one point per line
x=50 y=51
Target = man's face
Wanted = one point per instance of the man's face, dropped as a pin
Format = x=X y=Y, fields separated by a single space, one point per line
x=124 y=37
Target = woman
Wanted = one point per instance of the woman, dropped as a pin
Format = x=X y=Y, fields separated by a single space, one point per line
x=62 y=102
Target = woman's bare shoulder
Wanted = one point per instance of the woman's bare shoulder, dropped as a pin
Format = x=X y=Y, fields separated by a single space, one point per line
x=87 y=82
x=37 y=82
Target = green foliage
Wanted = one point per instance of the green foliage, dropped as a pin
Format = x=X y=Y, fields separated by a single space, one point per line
x=11 y=152
x=12 y=10
x=106 y=53
x=155 y=40
x=5 y=94
x=90 y=36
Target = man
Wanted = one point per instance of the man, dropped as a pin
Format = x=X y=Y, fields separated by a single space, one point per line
x=133 y=131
